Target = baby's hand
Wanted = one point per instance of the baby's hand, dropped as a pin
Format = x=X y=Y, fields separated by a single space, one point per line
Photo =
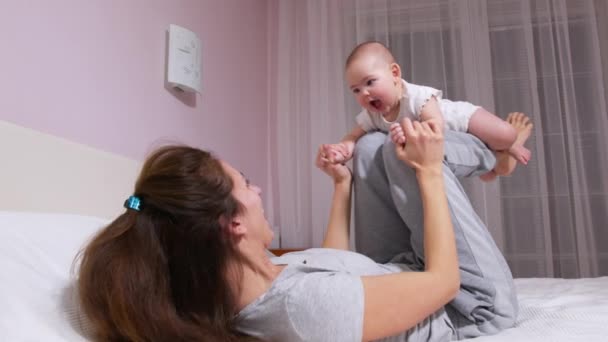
x=337 y=153
x=424 y=148
x=397 y=135
x=337 y=171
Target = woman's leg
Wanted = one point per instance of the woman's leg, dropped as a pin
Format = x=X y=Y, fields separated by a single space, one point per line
x=487 y=302
x=379 y=230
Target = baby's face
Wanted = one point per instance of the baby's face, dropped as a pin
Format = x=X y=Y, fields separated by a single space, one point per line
x=374 y=83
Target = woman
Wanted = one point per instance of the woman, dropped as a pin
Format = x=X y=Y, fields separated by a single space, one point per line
x=187 y=261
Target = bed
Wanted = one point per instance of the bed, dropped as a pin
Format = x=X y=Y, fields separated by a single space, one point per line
x=39 y=300
x=41 y=234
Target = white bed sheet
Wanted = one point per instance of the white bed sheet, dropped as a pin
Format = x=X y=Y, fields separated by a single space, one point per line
x=37 y=302
x=558 y=310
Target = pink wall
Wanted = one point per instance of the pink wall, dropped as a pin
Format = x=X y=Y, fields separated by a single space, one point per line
x=93 y=72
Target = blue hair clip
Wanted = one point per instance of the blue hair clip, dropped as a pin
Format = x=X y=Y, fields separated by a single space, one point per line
x=133 y=202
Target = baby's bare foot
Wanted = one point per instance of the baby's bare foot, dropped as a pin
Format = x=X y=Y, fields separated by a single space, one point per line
x=506 y=161
x=489 y=176
x=523 y=126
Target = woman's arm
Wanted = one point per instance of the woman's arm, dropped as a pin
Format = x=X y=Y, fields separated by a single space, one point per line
x=337 y=233
x=397 y=302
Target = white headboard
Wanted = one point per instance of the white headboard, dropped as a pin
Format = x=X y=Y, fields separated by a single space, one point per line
x=43 y=173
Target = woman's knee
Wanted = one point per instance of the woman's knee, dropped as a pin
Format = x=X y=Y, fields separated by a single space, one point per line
x=370 y=142
x=367 y=148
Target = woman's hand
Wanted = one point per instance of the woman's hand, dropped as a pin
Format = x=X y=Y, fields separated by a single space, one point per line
x=337 y=171
x=339 y=153
x=423 y=149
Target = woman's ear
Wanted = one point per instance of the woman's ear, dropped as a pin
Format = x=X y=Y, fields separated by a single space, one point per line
x=237 y=228
x=234 y=226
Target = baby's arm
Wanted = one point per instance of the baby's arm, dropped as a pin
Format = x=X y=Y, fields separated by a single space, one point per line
x=430 y=111
x=343 y=151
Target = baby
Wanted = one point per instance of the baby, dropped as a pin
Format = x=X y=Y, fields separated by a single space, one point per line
x=375 y=79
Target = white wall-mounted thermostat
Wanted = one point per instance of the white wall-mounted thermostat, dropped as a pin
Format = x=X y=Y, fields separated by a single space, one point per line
x=184 y=59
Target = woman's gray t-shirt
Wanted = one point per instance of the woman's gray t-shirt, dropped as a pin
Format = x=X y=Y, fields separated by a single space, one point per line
x=319 y=297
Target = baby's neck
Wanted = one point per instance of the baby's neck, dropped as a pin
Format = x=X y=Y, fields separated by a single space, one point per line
x=394 y=113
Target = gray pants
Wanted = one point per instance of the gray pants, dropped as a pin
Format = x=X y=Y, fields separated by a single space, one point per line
x=389 y=227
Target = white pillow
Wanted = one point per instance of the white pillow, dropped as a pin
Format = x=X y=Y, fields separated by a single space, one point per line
x=37 y=251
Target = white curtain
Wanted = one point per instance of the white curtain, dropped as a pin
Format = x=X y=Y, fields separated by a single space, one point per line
x=309 y=42
x=542 y=57
x=547 y=60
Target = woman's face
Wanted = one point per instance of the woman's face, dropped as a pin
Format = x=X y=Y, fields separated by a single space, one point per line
x=252 y=222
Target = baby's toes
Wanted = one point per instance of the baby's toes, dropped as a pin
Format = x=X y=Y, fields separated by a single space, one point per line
x=527 y=155
x=523 y=156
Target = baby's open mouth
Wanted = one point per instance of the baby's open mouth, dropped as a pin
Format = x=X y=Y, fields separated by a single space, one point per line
x=377 y=104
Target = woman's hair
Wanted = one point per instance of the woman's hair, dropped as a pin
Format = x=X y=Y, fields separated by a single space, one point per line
x=159 y=274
